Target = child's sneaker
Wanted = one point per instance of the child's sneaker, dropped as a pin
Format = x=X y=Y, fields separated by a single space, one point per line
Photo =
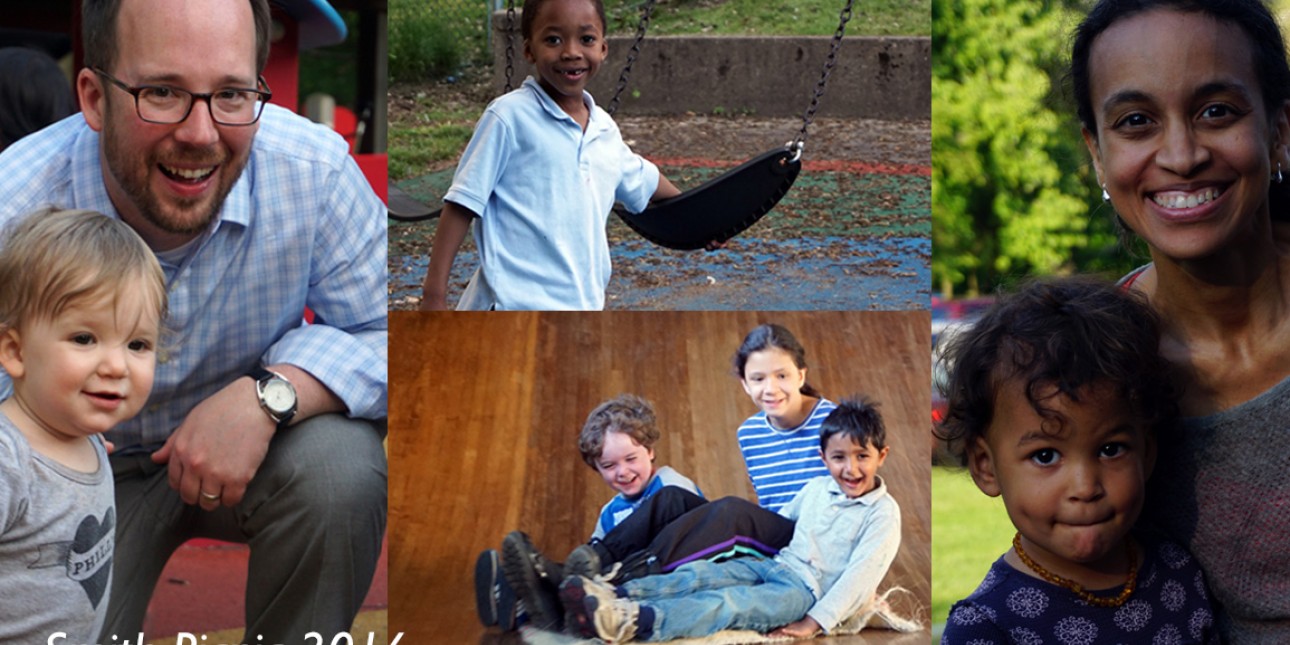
x=594 y=610
x=534 y=579
x=495 y=600
x=487 y=594
x=583 y=561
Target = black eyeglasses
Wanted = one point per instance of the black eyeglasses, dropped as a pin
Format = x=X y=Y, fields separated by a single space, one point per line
x=170 y=105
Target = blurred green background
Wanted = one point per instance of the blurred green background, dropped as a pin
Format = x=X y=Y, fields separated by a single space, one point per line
x=1013 y=191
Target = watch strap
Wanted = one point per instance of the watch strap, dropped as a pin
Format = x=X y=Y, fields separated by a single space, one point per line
x=260 y=374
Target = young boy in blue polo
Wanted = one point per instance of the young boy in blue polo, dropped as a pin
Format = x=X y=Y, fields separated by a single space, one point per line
x=845 y=539
x=541 y=174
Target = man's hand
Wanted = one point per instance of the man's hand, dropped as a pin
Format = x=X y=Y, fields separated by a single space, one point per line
x=804 y=628
x=218 y=447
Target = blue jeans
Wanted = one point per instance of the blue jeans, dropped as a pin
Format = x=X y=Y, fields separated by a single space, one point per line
x=702 y=598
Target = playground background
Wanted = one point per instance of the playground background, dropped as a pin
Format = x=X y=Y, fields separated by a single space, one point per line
x=853 y=233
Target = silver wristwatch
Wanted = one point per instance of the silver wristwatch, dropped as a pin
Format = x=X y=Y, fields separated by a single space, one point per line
x=277 y=395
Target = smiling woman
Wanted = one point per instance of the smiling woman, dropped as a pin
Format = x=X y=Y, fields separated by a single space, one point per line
x=1183 y=142
x=1184 y=109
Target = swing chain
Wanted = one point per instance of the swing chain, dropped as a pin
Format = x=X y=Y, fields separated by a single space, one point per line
x=631 y=56
x=510 y=44
x=845 y=16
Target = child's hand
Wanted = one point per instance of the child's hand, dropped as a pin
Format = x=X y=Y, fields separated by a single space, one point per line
x=804 y=628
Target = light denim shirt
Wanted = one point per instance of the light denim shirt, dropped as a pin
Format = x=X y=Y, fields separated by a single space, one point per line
x=300 y=228
x=841 y=547
x=543 y=190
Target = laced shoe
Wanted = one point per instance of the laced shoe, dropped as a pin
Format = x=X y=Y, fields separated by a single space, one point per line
x=594 y=610
x=495 y=600
x=583 y=561
x=487 y=573
x=534 y=578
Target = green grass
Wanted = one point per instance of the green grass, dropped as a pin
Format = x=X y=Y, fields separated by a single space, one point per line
x=434 y=131
x=421 y=146
x=969 y=532
x=797 y=18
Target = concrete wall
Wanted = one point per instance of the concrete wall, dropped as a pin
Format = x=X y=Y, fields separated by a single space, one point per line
x=875 y=77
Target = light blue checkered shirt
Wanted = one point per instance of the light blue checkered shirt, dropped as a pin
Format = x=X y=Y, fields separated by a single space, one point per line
x=301 y=228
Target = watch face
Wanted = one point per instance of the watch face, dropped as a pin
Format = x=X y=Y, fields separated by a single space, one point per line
x=278 y=396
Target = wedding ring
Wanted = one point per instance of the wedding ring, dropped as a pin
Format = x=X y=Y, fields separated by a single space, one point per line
x=209 y=496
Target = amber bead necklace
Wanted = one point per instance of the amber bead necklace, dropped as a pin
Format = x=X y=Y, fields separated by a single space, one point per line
x=1076 y=587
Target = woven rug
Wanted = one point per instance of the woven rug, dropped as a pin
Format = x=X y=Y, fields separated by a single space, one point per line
x=877 y=614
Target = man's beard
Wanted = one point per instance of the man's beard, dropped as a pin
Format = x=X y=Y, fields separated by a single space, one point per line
x=178 y=216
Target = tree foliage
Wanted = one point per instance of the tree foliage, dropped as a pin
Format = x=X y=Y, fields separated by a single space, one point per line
x=1012 y=186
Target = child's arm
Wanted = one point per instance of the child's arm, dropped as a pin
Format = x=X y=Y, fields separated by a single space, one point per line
x=454 y=223
x=871 y=557
x=665 y=189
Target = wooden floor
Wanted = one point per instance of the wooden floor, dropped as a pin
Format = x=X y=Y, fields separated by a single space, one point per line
x=485 y=409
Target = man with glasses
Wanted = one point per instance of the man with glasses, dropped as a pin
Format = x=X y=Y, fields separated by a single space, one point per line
x=260 y=429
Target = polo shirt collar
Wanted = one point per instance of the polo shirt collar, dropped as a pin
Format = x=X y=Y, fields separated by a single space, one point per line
x=552 y=108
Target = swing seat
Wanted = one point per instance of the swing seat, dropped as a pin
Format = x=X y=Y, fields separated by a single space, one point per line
x=720 y=208
x=406 y=208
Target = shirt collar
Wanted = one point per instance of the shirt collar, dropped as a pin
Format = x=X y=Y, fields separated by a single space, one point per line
x=552 y=108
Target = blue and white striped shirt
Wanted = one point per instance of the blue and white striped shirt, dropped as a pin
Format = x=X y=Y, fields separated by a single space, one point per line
x=780 y=462
x=300 y=228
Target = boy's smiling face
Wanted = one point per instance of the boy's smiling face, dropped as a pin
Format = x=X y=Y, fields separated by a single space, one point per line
x=1072 y=485
x=626 y=466
x=852 y=465
x=567 y=46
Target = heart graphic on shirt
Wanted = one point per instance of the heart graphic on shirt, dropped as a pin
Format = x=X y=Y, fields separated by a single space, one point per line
x=89 y=561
